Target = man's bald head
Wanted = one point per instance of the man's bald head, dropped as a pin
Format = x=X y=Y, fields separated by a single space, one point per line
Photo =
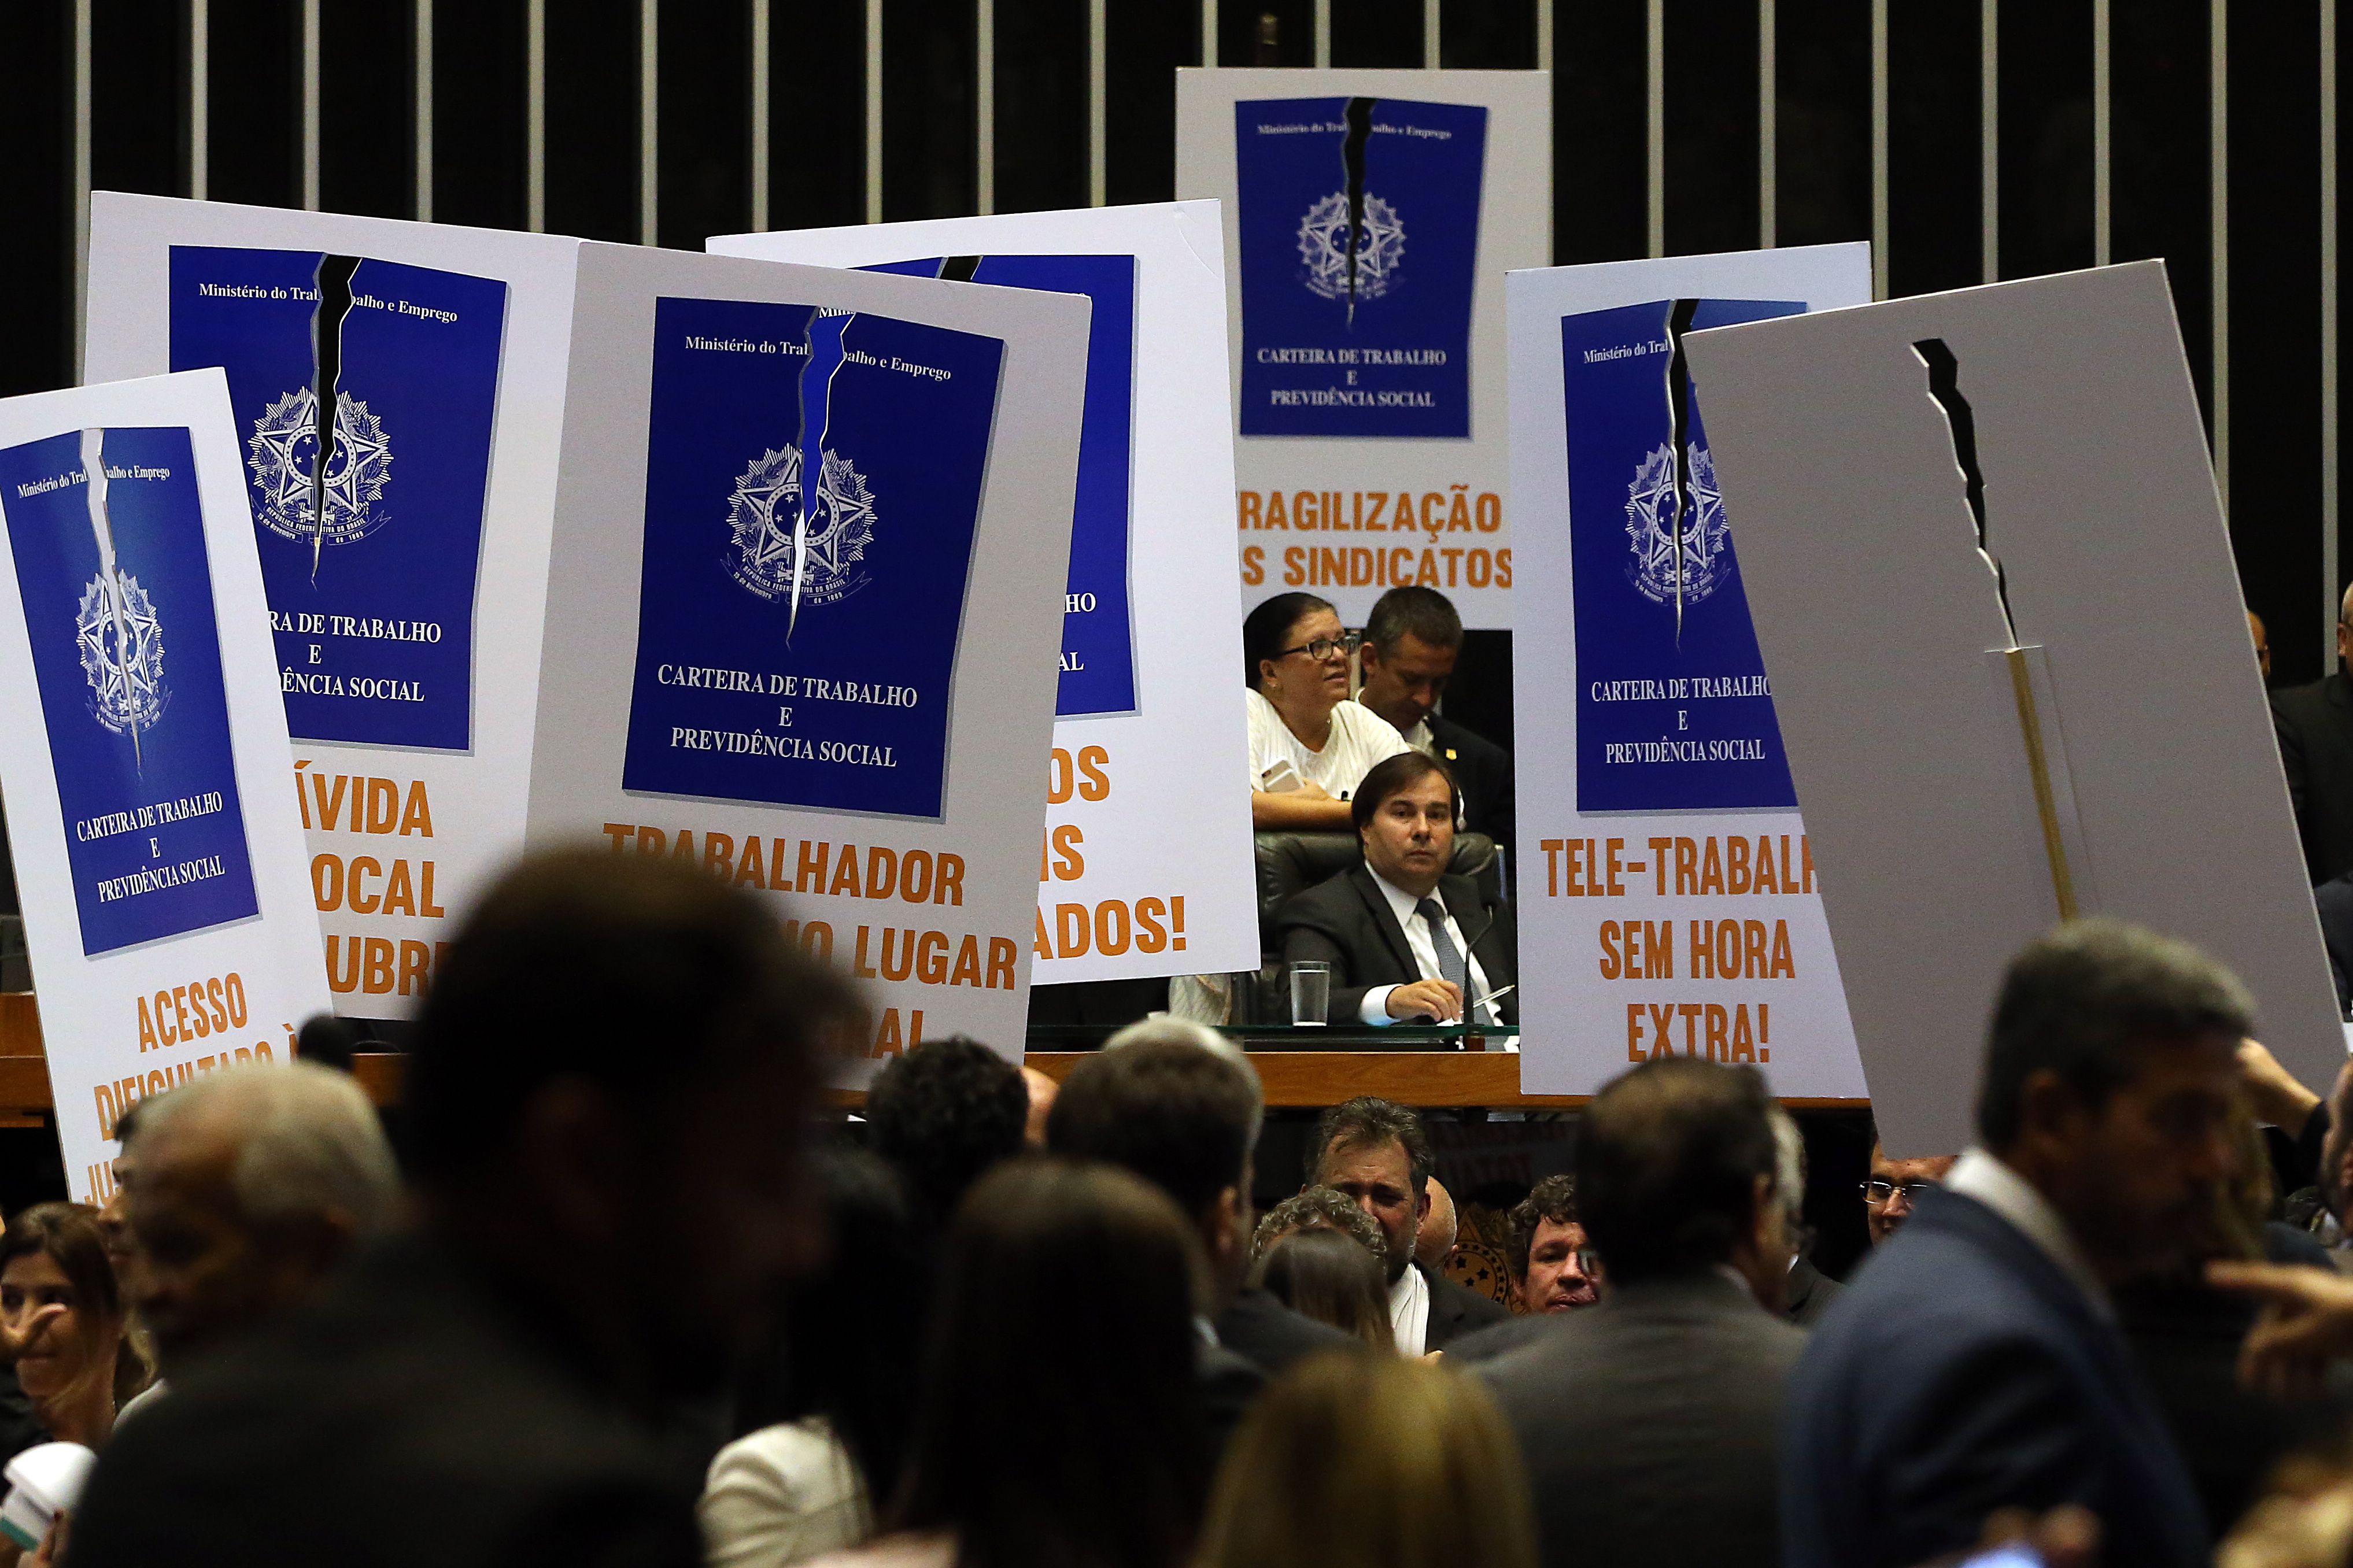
x=254 y=1184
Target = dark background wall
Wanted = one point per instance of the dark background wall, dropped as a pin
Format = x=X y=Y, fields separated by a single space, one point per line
x=325 y=102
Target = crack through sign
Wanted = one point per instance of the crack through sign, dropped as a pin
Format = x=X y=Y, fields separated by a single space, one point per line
x=1945 y=387
x=826 y=355
x=334 y=281
x=1352 y=158
x=2053 y=804
x=1680 y=315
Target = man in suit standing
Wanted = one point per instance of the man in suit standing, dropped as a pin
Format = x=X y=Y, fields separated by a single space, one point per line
x=1976 y=1363
x=1411 y=641
x=1405 y=940
x=1378 y=1153
x=1649 y=1420
x=2314 y=724
x=1163 y=1101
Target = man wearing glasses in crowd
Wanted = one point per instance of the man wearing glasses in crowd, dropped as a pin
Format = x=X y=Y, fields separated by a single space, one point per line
x=1888 y=1197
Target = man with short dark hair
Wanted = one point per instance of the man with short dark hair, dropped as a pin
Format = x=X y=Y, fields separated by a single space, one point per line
x=1894 y=1186
x=605 y=1098
x=1552 y=1268
x=1552 y=1265
x=944 y=1113
x=1185 y=1118
x=1407 y=940
x=1412 y=642
x=1378 y=1153
x=1976 y=1363
x=1649 y=1420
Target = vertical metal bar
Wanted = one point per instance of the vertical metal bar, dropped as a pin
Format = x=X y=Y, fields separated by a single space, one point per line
x=1990 y=138
x=1208 y=32
x=200 y=98
x=1769 y=126
x=1655 y=123
x=760 y=21
x=2103 y=136
x=310 y=105
x=423 y=78
x=2219 y=212
x=1879 y=205
x=82 y=22
x=983 y=99
x=536 y=116
x=2332 y=564
x=874 y=110
x=1098 y=112
x=1430 y=28
x=648 y=120
x=1323 y=35
x=1544 y=35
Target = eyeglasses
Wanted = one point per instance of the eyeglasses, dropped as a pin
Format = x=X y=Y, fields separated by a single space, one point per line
x=1324 y=648
x=1879 y=1195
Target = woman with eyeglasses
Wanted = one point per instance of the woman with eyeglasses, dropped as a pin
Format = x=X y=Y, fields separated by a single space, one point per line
x=1310 y=746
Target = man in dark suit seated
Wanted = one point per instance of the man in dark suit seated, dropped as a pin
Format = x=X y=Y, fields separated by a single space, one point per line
x=1977 y=1364
x=1405 y=940
x=1377 y=1155
x=2314 y=724
x=1411 y=641
x=606 y=1101
x=1648 y=1421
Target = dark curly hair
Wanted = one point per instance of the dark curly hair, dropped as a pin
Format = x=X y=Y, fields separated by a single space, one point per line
x=944 y=1113
x=1553 y=1199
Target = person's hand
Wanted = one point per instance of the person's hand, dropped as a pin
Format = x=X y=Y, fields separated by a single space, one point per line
x=2307 y=1322
x=18 y=1332
x=2066 y=1537
x=2273 y=1093
x=53 y=1544
x=1439 y=999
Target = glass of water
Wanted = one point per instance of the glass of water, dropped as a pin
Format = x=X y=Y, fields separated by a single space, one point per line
x=1311 y=993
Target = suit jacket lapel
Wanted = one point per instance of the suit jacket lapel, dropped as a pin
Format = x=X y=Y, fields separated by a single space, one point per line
x=1385 y=920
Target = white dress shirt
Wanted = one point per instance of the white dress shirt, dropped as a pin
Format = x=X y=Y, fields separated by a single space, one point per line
x=1978 y=1174
x=1375 y=1009
x=1409 y=1311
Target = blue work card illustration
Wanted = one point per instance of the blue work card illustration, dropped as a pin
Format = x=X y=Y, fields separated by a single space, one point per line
x=813 y=486
x=1098 y=629
x=365 y=393
x=1359 y=220
x=1673 y=712
x=107 y=534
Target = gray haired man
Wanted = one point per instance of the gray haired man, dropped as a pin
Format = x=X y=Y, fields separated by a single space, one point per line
x=253 y=1185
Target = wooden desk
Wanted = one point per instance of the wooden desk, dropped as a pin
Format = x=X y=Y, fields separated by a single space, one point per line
x=1293 y=1078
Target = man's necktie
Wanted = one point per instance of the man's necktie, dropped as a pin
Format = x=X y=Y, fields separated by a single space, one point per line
x=1452 y=964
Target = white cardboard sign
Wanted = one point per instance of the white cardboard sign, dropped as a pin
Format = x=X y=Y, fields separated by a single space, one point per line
x=848 y=703
x=156 y=846
x=1682 y=907
x=1147 y=865
x=408 y=594
x=1370 y=216
x=1869 y=456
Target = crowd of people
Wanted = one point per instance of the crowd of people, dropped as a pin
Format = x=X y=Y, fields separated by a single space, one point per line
x=601 y=1303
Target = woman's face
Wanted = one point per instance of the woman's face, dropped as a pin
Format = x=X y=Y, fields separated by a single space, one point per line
x=1301 y=680
x=57 y=1352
